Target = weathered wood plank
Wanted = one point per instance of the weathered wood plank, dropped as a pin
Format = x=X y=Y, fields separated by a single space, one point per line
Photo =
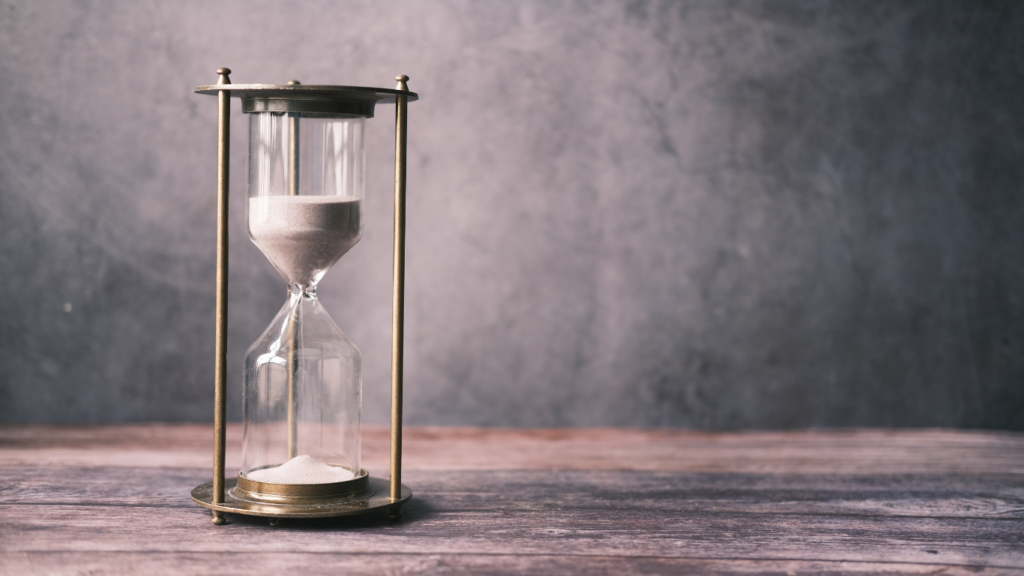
x=115 y=500
x=846 y=451
x=923 y=495
x=355 y=564
x=561 y=529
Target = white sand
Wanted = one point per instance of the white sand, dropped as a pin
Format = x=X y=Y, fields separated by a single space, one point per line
x=303 y=236
x=301 y=470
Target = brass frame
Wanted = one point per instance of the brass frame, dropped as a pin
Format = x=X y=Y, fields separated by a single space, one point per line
x=221 y=331
x=375 y=498
x=398 y=294
x=364 y=493
x=293 y=338
x=256 y=491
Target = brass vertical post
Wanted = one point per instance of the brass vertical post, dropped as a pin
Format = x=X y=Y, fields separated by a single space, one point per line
x=221 y=335
x=293 y=365
x=293 y=336
x=398 y=297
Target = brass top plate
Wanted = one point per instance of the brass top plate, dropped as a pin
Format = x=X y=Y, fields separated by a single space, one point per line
x=309 y=98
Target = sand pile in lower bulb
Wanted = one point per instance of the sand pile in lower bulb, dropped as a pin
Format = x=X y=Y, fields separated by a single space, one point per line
x=302 y=469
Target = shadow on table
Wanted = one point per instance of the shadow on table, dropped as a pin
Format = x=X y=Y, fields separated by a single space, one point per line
x=413 y=511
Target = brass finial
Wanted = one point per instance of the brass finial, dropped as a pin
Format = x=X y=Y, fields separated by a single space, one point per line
x=224 y=75
x=402 y=79
x=294 y=82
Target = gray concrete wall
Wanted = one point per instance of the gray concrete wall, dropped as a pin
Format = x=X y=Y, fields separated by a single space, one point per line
x=696 y=214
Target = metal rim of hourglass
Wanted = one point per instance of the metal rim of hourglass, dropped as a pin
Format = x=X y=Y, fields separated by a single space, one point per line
x=358 y=496
x=309 y=98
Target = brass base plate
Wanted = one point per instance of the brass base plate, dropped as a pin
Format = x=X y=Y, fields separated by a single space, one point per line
x=376 y=498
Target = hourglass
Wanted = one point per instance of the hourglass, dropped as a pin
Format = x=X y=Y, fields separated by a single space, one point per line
x=303 y=385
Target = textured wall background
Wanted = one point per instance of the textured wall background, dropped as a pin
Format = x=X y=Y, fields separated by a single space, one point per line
x=704 y=214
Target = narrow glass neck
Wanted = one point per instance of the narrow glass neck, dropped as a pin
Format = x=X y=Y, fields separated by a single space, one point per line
x=296 y=291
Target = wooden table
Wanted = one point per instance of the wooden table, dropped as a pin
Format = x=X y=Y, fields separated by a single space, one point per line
x=115 y=500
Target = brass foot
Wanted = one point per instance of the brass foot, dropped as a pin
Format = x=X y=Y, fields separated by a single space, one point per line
x=395 y=513
x=218 y=518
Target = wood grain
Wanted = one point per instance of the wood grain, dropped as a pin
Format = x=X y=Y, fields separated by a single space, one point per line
x=354 y=563
x=427 y=448
x=505 y=501
x=920 y=495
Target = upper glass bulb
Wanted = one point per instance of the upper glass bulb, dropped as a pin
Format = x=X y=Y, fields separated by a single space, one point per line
x=306 y=189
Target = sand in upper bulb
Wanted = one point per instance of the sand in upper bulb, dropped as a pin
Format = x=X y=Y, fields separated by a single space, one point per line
x=303 y=236
x=302 y=469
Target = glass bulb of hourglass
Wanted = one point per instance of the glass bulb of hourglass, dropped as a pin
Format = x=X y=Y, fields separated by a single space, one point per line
x=303 y=387
x=303 y=236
